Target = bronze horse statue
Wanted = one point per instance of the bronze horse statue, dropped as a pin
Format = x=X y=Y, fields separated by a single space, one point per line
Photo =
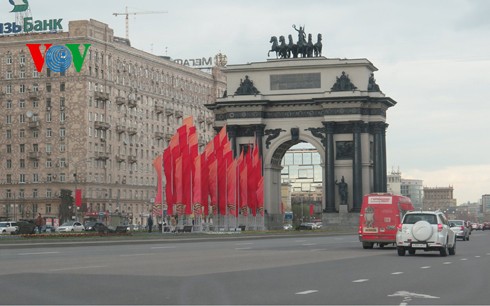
x=280 y=49
x=317 y=47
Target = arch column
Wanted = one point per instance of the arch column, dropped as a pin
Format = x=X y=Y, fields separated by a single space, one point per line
x=329 y=187
x=357 y=167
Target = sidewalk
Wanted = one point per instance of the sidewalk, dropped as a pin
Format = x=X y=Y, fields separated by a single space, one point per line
x=15 y=241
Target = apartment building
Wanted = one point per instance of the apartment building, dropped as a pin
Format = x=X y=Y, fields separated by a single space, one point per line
x=98 y=129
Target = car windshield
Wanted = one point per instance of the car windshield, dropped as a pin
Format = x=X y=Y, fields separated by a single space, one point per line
x=3 y=224
x=69 y=223
x=414 y=218
x=456 y=222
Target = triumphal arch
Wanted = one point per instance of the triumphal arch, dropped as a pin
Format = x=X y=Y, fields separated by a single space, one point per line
x=333 y=104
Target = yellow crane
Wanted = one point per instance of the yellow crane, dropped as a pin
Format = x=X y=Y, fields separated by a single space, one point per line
x=126 y=13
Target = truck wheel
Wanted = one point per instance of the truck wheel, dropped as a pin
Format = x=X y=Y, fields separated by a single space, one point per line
x=367 y=245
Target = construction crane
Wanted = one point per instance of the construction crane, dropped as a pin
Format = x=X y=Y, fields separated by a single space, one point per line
x=126 y=13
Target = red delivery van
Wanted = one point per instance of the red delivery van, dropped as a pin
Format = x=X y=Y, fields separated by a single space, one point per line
x=380 y=215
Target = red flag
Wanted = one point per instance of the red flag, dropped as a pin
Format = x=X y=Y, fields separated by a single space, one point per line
x=196 y=187
x=213 y=182
x=178 y=181
x=231 y=186
x=260 y=196
x=78 y=197
x=312 y=209
x=204 y=184
x=169 y=179
x=244 y=188
x=158 y=164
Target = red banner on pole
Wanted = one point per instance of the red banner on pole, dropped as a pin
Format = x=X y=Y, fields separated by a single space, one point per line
x=78 y=197
x=312 y=209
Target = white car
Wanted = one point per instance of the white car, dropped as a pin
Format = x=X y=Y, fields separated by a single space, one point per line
x=70 y=226
x=425 y=231
x=8 y=227
x=459 y=227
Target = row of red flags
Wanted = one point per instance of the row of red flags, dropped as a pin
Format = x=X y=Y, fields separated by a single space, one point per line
x=197 y=181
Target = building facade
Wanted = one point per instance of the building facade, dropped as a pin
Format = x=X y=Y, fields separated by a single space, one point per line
x=97 y=130
x=438 y=198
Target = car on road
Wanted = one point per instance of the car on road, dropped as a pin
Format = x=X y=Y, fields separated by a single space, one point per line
x=425 y=231
x=459 y=227
x=70 y=226
x=8 y=227
x=98 y=227
x=485 y=226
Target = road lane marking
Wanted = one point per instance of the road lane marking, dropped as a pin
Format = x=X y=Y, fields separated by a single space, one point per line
x=464 y=259
x=299 y=240
x=316 y=250
x=447 y=263
x=477 y=256
x=425 y=267
x=308 y=244
x=244 y=243
x=38 y=253
x=397 y=273
x=164 y=247
x=242 y=249
x=307 y=292
x=76 y=268
x=140 y=254
x=360 y=280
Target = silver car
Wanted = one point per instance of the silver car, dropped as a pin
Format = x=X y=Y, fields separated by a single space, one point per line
x=8 y=227
x=460 y=229
x=71 y=226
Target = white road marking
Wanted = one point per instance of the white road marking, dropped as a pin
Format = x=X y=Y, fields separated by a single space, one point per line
x=76 y=268
x=307 y=292
x=316 y=250
x=140 y=254
x=425 y=267
x=397 y=273
x=464 y=259
x=299 y=240
x=477 y=256
x=38 y=253
x=360 y=280
x=164 y=247
x=308 y=244
x=407 y=296
x=447 y=263
x=244 y=243
x=242 y=248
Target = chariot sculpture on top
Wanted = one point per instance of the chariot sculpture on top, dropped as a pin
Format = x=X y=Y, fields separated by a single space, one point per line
x=302 y=48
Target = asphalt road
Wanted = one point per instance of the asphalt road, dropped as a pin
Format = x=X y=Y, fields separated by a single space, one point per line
x=302 y=270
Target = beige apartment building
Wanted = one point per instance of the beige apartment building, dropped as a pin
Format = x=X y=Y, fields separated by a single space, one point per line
x=438 y=198
x=97 y=130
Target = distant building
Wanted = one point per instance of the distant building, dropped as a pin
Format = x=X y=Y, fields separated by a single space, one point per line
x=438 y=198
x=411 y=188
x=485 y=205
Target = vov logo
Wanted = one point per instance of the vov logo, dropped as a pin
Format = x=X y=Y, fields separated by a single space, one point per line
x=19 y=5
x=58 y=58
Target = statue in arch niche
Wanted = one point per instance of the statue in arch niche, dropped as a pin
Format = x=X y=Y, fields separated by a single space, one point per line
x=342 y=191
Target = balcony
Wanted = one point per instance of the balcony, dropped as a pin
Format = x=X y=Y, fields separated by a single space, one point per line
x=120 y=100
x=132 y=103
x=131 y=131
x=179 y=114
x=120 y=158
x=131 y=159
x=159 y=135
x=34 y=125
x=120 y=129
x=35 y=155
x=169 y=112
x=101 y=156
x=100 y=125
x=104 y=96
x=34 y=95
x=159 y=109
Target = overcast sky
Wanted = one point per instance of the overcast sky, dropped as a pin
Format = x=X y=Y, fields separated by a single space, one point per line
x=433 y=59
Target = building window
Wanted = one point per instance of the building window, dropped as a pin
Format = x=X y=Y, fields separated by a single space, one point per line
x=35 y=134
x=62 y=147
x=62 y=132
x=48 y=208
x=48 y=72
x=22 y=88
x=62 y=163
x=22 y=178
x=22 y=133
x=9 y=148
x=48 y=117
x=9 y=134
x=48 y=148
x=35 y=74
x=22 y=118
x=48 y=87
x=22 y=59
x=22 y=104
x=62 y=117
x=34 y=193
x=49 y=132
x=49 y=163
x=35 y=103
x=22 y=148
x=62 y=86
x=62 y=177
x=9 y=178
x=22 y=74
x=8 y=104
x=8 y=119
x=35 y=178
x=8 y=75
x=9 y=164
x=9 y=59
x=35 y=164
x=49 y=193
x=22 y=163
x=62 y=103
x=8 y=89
